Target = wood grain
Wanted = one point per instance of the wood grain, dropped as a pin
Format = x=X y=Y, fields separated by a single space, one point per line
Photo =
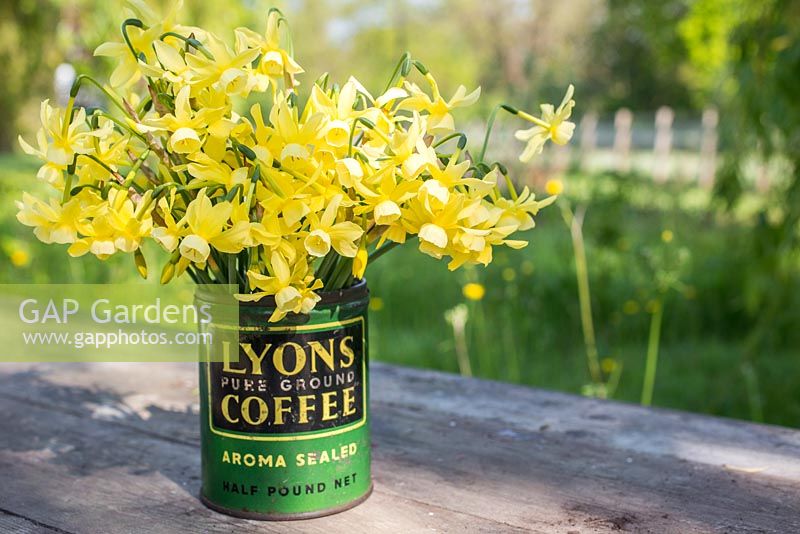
x=112 y=448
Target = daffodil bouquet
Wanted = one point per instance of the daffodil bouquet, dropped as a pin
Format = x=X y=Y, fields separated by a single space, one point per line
x=298 y=194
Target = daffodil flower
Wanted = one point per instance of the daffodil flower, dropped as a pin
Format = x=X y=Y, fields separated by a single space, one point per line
x=207 y=171
x=385 y=201
x=440 y=121
x=552 y=126
x=207 y=227
x=116 y=225
x=168 y=235
x=52 y=222
x=307 y=182
x=324 y=232
x=293 y=287
x=519 y=213
x=226 y=72
x=176 y=71
x=186 y=125
x=275 y=61
x=58 y=143
x=129 y=66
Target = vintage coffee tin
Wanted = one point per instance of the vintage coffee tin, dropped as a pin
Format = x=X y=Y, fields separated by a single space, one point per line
x=285 y=429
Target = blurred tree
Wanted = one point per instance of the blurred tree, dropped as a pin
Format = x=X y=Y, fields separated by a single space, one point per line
x=747 y=54
x=637 y=57
x=617 y=52
x=25 y=31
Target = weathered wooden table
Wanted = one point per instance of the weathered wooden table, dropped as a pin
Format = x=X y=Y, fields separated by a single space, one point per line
x=108 y=448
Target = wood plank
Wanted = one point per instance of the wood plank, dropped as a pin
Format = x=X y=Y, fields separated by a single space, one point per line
x=89 y=476
x=13 y=524
x=476 y=455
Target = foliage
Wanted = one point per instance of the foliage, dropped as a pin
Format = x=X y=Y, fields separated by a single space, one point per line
x=637 y=57
x=748 y=55
x=649 y=247
x=23 y=39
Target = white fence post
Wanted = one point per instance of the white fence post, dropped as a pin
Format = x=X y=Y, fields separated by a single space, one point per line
x=623 y=120
x=663 y=143
x=708 y=148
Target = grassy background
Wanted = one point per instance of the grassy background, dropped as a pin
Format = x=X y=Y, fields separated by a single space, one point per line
x=526 y=328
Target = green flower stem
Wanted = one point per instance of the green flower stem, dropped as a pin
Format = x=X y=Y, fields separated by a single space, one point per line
x=67 y=187
x=325 y=266
x=201 y=275
x=511 y=188
x=366 y=122
x=342 y=273
x=462 y=143
x=575 y=224
x=193 y=276
x=219 y=269
x=131 y=22
x=405 y=59
x=76 y=85
x=490 y=126
x=381 y=251
x=125 y=127
x=131 y=176
x=652 y=354
x=194 y=43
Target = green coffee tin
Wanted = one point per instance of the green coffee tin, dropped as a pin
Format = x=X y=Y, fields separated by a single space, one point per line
x=285 y=426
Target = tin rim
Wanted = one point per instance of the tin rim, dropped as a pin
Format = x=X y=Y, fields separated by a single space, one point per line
x=353 y=293
x=259 y=516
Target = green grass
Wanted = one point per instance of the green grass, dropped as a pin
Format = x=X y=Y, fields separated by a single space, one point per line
x=530 y=329
x=527 y=329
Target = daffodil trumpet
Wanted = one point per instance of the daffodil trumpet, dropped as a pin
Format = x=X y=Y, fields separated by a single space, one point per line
x=286 y=200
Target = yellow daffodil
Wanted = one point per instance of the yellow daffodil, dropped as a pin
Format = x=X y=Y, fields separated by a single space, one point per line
x=293 y=287
x=227 y=70
x=208 y=171
x=552 y=126
x=169 y=234
x=186 y=125
x=385 y=201
x=520 y=212
x=207 y=224
x=440 y=121
x=58 y=142
x=324 y=232
x=116 y=225
x=52 y=222
x=275 y=63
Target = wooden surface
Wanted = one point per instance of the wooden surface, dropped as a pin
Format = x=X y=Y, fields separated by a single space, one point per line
x=113 y=448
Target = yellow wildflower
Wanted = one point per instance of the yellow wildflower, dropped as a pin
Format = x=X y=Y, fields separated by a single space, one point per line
x=20 y=258
x=554 y=187
x=473 y=291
